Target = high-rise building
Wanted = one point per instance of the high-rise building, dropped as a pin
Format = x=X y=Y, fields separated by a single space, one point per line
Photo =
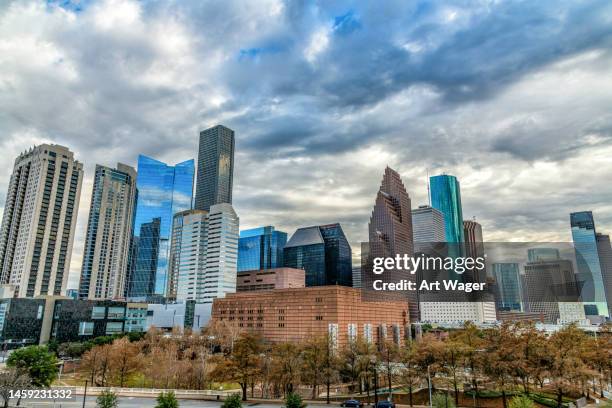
x=427 y=226
x=109 y=233
x=543 y=254
x=163 y=191
x=203 y=254
x=261 y=248
x=605 y=259
x=39 y=221
x=509 y=294
x=584 y=236
x=446 y=197
x=215 y=167
x=323 y=252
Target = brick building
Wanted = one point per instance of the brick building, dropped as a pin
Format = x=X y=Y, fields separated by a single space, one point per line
x=266 y=279
x=292 y=315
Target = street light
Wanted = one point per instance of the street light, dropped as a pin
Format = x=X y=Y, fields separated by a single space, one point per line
x=429 y=385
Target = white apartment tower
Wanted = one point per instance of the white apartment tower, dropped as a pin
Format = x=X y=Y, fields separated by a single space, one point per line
x=203 y=261
x=109 y=233
x=39 y=221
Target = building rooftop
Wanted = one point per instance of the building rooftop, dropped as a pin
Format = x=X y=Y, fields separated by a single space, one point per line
x=305 y=236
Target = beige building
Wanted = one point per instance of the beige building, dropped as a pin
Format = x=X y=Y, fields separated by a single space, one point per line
x=109 y=233
x=266 y=279
x=293 y=315
x=39 y=221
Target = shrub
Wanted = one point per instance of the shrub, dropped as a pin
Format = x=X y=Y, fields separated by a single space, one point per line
x=440 y=400
x=232 y=401
x=521 y=401
x=107 y=399
x=294 y=401
x=167 y=400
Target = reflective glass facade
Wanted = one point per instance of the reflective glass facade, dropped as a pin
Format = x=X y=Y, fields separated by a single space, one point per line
x=261 y=248
x=446 y=197
x=587 y=259
x=163 y=191
x=508 y=282
x=215 y=167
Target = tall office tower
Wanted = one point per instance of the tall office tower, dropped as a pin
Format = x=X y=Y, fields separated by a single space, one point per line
x=163 y=191
x=39 y=221
x=509 y=293
x=109 y=233
x=215 y=167
x=187 y=262
x=261 y=248
x=543 y=254
x=446 y=197
x=323 y=252
x=474 y=248
x=427 y=226
x=552 y=291
x=584 y=236
x=605 y=259
x=221 y=252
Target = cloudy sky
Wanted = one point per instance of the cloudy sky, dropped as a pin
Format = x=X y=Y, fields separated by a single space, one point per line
x=514 y=98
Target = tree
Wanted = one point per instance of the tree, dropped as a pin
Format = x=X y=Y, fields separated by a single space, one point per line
x=232 y=401
x=286 y=365
x=294 y=401
x=350 y=361
x=167 y=400
x=124 y=360
x=389 y=355
x=243 y=363
x=40 y=364
x=13 y=379
x=314 y=359
x=500 y=357
x=107 y=399
x=440 y=400
x=410 y=373
x=521 y=401
x=472 y=338
x=451 y=354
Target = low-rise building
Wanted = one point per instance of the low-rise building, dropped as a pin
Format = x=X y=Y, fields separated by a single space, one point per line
x=296 y=314
x=266 y=279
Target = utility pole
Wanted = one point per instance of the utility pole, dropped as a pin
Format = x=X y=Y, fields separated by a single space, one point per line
x=85 y=394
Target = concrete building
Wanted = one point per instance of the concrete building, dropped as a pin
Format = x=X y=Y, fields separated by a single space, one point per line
x=215 y=167
x=109 y=233
x=39 y=221
x=268 y=279
x=458 y=312
x=294 y=315
x=427 y=226
x=181 y=316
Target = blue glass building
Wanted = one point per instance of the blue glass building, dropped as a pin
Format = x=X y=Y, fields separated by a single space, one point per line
x=323 y=252
x=509 y=288
x=589 y=273
x=446 y=197
x=261 y=248
x=163 y=191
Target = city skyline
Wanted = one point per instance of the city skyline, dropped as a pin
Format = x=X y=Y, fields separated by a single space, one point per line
x=310 y=152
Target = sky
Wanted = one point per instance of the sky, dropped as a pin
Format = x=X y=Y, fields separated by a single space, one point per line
x=512 y=97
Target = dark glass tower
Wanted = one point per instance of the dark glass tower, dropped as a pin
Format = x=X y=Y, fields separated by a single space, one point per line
x=142 y=283
x=261 y=248
x=323 y=252
x=215 y=167
x=584 y=236
x=446 y=197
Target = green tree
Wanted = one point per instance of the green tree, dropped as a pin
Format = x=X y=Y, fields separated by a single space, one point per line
x=167 y=400
x=294 y=401
x=440 y=400
x=40 y=364
x=107 y=399
x=521 y=401
x=232 y=401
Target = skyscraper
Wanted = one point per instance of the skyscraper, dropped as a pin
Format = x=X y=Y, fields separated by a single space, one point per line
x=163 y=191
x=584 y=236
x=39 y=221
x=446 y=197
x=215 y=167
x=474 y=248
x=509 y=294
x=543 y=254
x=261 y=248
x=109 y=233
x=605 y=260
x=427 y=226
x=323 y=252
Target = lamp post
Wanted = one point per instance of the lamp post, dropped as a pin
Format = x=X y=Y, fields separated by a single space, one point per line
x=375 y=369
x=429 y=386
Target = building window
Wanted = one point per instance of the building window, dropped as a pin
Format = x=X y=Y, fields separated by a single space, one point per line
x=116 y=313
x=114 y=327
x=319 y=300
x=281 y=325
x=98 y=312
x=318 y=317
x=86 y=328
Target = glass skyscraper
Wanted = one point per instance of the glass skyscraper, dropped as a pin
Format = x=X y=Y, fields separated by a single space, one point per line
x=509 y=288
x=261 y=248
x=215 y=167
x=323 y=252
x=446 y=197
x=584 y=236
x=163 y=191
